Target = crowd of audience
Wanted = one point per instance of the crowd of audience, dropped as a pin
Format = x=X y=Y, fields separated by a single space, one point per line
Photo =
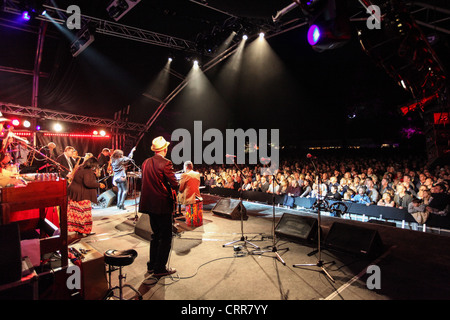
x=395 y=182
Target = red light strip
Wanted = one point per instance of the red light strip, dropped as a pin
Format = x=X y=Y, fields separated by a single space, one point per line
x=75 y=135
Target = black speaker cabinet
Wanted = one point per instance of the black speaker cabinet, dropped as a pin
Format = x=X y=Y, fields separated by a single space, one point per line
x=354 y=239
x=230 y=208
x=107 y=198
x=296 y=227
x=10 y=253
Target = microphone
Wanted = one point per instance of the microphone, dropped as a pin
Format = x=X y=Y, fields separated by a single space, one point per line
x=310 y=156
x=230 y=156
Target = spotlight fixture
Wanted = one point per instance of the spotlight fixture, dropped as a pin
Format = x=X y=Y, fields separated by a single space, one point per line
x=57 y=127
x=261 y=35
x=102 y=133
x=313 y=34
x=329 y=24
x=118 y=8
x=31 y=9
x=27 y=124
x=26 y=16
x=244 y=37
x=84 y=38
x=195 y=64
x=15 y=122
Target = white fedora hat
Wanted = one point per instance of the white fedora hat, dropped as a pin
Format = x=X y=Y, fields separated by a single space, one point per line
x=159 y=143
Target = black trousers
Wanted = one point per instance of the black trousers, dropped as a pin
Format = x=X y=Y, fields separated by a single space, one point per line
x=122 y=190
x=161 y=241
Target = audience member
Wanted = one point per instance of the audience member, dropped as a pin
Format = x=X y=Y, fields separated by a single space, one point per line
x=401 y=198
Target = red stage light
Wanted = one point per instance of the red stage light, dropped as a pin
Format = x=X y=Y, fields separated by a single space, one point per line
x=75 y=135
x=441 y=118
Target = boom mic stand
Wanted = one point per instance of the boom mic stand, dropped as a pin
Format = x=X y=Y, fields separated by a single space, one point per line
x=243 y=239
x=135 y=176
x=47 y=158
x=274 y=247
x=319 y=262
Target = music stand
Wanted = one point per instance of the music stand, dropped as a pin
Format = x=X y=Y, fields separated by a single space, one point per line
x=319 y=262
x=274 y=247
x=243 y=239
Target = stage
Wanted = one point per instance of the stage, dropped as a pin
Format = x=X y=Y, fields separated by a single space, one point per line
x=412 y=265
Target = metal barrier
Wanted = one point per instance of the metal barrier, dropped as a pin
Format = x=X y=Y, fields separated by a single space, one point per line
x=378 y=212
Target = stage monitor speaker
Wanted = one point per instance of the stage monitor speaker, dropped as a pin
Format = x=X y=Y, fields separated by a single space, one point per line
x=296 y=227
x=230 y=208
x=354 y=239
x=142 y=227
x=106 y=199
x=10 y=253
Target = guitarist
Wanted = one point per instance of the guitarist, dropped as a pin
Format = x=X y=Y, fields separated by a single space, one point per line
x=158 y=188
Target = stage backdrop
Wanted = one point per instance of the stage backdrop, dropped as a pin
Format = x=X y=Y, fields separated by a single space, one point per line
x=81 y=143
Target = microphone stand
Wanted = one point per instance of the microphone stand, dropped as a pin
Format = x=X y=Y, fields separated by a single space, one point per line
x=136 y=218
x=319 y=262
x=243 y=239
x=48 y=158
x=274 y=247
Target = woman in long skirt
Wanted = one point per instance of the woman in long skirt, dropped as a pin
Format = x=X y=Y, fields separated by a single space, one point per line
x=82 y=191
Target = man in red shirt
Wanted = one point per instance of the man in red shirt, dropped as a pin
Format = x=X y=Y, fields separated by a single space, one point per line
x=158 y=191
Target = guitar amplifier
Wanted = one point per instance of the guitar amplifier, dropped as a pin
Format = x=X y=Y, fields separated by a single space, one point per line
x=94 y=284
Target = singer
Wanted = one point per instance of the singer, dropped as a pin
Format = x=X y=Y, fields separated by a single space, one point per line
x=118 y=164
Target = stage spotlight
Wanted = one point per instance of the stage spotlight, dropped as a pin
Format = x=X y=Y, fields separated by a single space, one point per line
x=26 y=16
x=170 y=59
x=118 y=8
x=195 y=64
x=27 y=124
x=329 y=24
x=15 y=122
x=95 y=132
x=313 y=34
x=102 y=133
x=261 y=35
x=244 y=37
x=84 y=38
x=57 y=127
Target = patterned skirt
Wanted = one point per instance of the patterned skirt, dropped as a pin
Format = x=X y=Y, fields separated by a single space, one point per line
x=79 y=216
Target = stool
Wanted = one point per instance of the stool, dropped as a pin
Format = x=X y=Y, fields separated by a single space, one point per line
x=116 y=258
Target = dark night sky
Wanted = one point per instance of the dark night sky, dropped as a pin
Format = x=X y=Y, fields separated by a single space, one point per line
x=309 y=99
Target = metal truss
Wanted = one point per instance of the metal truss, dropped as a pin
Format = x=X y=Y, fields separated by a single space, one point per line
x=48 y=114
x=59 y=16
x=431 y=16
